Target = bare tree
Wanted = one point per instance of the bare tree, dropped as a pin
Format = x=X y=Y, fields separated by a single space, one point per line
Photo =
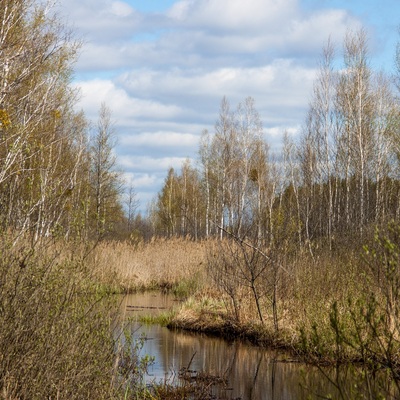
x=227 y=159
x=106 y=181
x=205 y=161
x=321 y=130
x=247 y=264
x=356 y=104
x=132 y=204
x=290 y=183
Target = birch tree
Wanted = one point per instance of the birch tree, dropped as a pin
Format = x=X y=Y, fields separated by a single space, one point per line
x=356 y=105
x=227 y=160
x=106 y=181
x=41 y=137
x=322 y=125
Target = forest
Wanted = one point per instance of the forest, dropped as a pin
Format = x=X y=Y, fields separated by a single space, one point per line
x=296 y=248
x=338 y=180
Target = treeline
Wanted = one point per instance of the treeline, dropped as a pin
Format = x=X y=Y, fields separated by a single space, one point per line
x=57 y=174
x=340 y=178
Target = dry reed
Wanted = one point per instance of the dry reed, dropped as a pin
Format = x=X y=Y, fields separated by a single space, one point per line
x=160 y=264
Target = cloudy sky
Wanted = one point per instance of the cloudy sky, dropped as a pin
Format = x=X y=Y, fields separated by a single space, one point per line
x=163 y=66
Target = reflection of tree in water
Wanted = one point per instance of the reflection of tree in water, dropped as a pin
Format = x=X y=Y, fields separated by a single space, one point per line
x=349 y=382
x=254 y=385
x=254 y=373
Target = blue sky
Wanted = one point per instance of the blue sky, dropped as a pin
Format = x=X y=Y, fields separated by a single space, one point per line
x=163 y=66
x=151 y=5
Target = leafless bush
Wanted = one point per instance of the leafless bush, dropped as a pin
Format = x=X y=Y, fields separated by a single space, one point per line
x=55 y=338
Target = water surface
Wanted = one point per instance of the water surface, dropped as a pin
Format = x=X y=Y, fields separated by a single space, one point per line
x=251 y=373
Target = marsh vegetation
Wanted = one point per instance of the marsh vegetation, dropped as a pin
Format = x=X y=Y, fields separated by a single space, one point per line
x=296 y=251
x=329 y=313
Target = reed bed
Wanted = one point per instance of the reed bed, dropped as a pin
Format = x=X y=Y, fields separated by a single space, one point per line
x=176 y=264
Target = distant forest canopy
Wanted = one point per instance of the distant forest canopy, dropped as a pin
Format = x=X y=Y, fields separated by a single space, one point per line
x=337 y=181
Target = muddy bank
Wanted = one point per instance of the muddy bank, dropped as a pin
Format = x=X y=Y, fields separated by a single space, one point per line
x=220 y=325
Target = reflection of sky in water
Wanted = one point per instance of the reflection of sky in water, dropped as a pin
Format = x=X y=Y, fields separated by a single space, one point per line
x=252 y=373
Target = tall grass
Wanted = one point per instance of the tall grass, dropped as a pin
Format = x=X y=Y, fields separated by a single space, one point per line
x=312 y=291
x=307 y=287
x=160 y=264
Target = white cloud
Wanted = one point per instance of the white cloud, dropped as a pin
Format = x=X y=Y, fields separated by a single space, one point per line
x=205 y=33
x=143 y=181
x=274 y=135
x=146 y=164
x=121 y=9
x=101 y=57
x=276 y=87
x=160 y=139
x=101 y=21
x=233 y=15
x=218 y=28
x=124 y=107
x=319 y=26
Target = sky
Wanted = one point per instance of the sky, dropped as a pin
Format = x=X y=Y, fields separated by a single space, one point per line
x=163 y=67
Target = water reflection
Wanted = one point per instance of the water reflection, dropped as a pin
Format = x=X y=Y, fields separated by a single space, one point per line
x=251 y=373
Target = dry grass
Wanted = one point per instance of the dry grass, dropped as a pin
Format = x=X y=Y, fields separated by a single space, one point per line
x=307 y=289
x=159 y=264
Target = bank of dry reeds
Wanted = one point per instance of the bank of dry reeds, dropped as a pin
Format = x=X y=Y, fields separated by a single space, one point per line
x=306 y=287
x=158 y=264
x=330 y=308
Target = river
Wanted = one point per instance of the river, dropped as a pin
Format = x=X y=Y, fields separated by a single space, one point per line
x=249 y=372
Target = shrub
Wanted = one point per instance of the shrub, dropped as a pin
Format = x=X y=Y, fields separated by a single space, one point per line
x=55 y=337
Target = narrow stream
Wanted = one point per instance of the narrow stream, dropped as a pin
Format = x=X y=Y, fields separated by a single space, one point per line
x=251 y=373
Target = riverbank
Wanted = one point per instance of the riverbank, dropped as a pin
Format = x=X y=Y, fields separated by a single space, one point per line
x=179 y=266
x=230 y=368
x=205 y=315
x=326 y=307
